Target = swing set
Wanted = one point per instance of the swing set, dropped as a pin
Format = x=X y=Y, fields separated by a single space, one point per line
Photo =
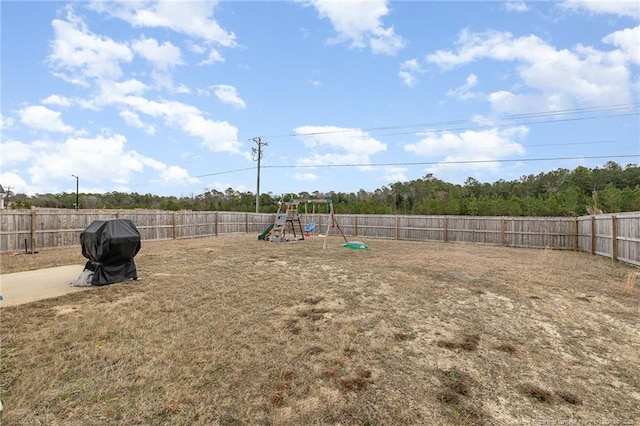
x=288 y=219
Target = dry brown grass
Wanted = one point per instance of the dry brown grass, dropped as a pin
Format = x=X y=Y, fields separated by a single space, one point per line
x=536 y=392
x=631 y=283
x=233 y=331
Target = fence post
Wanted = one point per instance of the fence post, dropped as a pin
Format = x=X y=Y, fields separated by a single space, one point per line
x=212 y=230
x=445 y=237
x=397 y=224
x=175 y=226
x=246 y=223
x=614 y=238
x=593 y=235
x=355 y=226
x=33 y=231
x=502 y=232
x=216 y=224
x=575 y=234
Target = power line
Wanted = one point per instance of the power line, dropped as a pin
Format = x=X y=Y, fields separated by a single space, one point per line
x=499 y=126
x=444 y=124
x=569 y=143
x=226 y=172
x=428 y=163
x=432 y=128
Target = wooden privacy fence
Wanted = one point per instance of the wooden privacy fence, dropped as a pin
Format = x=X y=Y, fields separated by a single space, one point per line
x=40 y=228
x=616 y=236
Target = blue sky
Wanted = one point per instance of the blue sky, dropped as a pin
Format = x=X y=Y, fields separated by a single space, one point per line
x=166 y=97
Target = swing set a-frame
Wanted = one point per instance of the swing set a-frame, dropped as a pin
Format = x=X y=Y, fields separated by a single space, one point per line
x=288 y=220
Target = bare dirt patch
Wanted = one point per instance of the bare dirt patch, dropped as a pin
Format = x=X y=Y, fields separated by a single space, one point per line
x=232 y=330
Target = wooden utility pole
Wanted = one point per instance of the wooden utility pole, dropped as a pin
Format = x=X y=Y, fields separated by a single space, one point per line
x=256 y=155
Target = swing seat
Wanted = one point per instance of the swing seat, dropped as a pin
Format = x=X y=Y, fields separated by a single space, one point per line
x=309 y=228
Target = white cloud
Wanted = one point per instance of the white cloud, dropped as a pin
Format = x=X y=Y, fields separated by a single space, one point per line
x=100 y=162
x=196 y=48
x=407 y=78
x=57 y=100
x=217 y=136
x=619 y=7
x=11 y=181
x=346 y=139
x=408 y=72
x=394 y=174
x=77 y=51
x=220 y=186
x=213 y=57
x=133 y=120
x=330 y=145
x=470 y=144
x=360 y=24
x=15 y=153
x=193 y=18
x=228 y=95
x=466 y=147
x=552 y=79
x=167 y=174
x=628 y=42
x=6 y=122
x=176 y=173
x=504 y=101
x=163 y=80
x=315 y=78
x=306 y=176
x=113 y=92
x=516 y=6
x=42 y=118
x=181 y=88
x=316 y=159
x=98 y=159
x=163 y=56
x=491 y=44
x=463 y=92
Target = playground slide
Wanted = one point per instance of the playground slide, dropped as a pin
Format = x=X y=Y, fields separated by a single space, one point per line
x=266 y=232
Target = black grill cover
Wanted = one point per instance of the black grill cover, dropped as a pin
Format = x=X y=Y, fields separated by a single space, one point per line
x=110 y=246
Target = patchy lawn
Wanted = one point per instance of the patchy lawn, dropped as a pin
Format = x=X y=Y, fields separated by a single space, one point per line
x=231 y=331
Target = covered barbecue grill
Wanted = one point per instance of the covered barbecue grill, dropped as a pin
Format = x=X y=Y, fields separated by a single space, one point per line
x=110 y=245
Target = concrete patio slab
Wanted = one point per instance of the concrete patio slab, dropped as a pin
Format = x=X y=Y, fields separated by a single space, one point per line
x=29 y=286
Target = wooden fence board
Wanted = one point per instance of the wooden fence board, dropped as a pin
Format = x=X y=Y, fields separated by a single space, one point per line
x=629 y=239
x=584 y=234
x=603 y=236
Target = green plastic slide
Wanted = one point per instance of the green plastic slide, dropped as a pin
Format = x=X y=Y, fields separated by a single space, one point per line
x=266 y=232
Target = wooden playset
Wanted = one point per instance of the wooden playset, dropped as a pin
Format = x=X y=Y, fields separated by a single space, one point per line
x=288 y=226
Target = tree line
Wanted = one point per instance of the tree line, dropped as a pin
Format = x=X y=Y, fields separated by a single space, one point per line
x=561 y=192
